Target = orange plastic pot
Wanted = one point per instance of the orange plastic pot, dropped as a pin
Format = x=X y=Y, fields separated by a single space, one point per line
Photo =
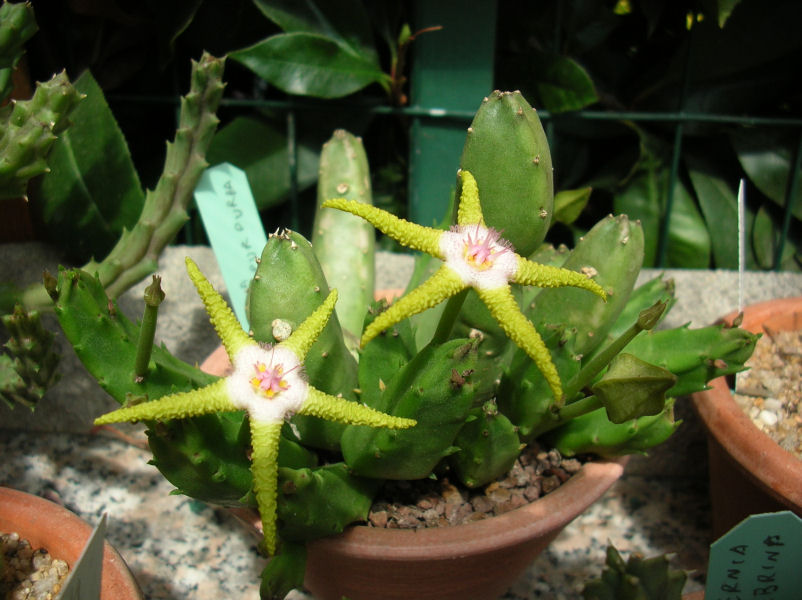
x=48 y=525
x=749 y=472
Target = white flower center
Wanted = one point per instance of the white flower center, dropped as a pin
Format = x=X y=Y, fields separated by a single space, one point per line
x=268 y=382
x=479 y=255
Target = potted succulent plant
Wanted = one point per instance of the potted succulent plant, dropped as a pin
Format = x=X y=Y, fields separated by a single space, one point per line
x=63 y=535
x=750 y=473
x=500 y=342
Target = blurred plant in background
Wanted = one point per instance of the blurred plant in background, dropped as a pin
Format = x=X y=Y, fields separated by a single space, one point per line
x=613 y=80
x=637 y=97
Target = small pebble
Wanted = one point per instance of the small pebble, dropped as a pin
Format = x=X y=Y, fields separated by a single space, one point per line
x=768 y=417
x=28 y=574
x=440 y=503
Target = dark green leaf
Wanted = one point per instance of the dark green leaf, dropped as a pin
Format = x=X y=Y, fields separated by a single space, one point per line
x=640 y=199
x=561 y=83
x=763 y=240
x=725 y=8
x=344 y=21
x=766 y=157
x=259 y=149
x=719 y=205
x=93 y=190
x=568 y=204
x=643 y=198
x=310 y=65
x=689 y=245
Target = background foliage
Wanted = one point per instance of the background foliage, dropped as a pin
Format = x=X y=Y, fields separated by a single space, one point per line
x=342 y=64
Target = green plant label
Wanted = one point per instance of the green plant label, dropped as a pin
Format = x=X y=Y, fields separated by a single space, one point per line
x=761 y=557
x=234 y=228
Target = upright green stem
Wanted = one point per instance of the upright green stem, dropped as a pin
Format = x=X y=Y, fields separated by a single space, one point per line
x=647 y=319
x=154 y=296
x=446 y=323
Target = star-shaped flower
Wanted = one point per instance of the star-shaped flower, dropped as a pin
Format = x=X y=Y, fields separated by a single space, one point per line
x=476 y=256
x=268 y=382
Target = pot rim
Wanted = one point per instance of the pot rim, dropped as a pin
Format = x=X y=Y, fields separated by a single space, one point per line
x=755 y=451
x=27 y=514
x=548 y=513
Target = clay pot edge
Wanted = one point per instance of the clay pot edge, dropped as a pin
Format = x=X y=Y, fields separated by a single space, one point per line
x=757 y=453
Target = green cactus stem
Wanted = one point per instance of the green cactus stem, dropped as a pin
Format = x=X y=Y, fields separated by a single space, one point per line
x=284 y=572
x=612 y=253
x=154 y=296
x=488 y=446
x=135 y=255
x=29 y=368
x=593 y=432
x=17 y=26
x=28 y=129
x=321 y=501
x=645 y=321
x=507 y=152
x=437 y=389
x=636 y=579
x=165 y=211
x=288 y=286
x=344 y=243
x=695 y=356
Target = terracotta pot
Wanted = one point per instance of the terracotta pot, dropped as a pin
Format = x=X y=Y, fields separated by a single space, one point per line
x=479 y=560
x=749 y=472
x=48 y=525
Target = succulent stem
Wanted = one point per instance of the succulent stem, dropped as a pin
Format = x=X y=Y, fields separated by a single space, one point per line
x=565 y=413
x=154 y=296
x=647 y=319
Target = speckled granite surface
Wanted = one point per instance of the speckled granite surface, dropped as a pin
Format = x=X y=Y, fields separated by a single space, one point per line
x=181 y=549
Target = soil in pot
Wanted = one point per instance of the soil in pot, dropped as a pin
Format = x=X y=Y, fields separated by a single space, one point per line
x=770 y=392
x=28 y=573
x=750 y=472
x=429 y=503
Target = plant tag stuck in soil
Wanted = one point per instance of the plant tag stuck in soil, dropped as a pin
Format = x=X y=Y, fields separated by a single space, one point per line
x=758 y=558
x=234 y=228
x=83 y=582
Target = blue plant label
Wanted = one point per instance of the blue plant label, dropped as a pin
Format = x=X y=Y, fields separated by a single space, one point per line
x=235 y=231
x=760 y=558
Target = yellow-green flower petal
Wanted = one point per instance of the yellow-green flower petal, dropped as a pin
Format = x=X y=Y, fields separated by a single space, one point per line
x=264 y=467
x=340 y=410
x=469 y=211
x=443 y=284
x=212 y=398
x=301 y=340
x=519 y=329
x=532 y=273
x=220 y=314
x=268 y=383
x=411 y=235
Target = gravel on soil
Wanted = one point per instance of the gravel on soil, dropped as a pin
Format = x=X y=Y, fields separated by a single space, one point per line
x=437 y=503
x=28 y=573
x=770 y=392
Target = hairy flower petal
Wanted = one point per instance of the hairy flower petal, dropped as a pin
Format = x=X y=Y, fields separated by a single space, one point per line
x=264 y=467
x=440 y=286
